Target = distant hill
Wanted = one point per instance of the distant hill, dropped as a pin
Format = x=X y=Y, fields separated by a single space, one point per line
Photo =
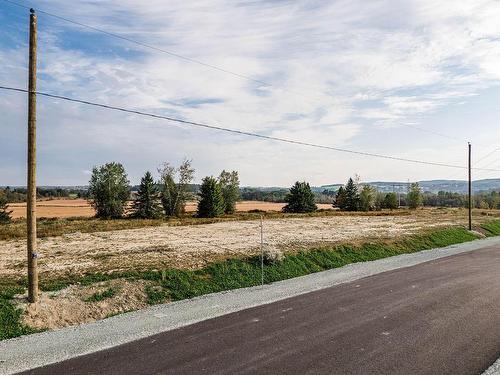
x=432 y=186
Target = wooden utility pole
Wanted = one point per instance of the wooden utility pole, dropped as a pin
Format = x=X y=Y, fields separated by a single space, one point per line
x=31 y=201
x=470 y=189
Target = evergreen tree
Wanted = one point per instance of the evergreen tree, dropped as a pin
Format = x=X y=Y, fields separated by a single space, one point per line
x=391 y=201
x=340 y=198
x=300 y=199
x=351 y=196
x=5 y=217
x=109 y=190
x=146 y=203
x=414 y=197
x=230 y=185
x=211 y=202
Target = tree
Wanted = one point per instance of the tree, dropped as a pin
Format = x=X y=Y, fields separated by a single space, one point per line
x=109 y=190
x=146 y=203
x=230 y=185
x=414 y=197
x=391 y=201
x=5 y=214
x=211 y=202
x=351 y=196
x=367 y=198
x=340 y=198
x=300 y=199
x=174 y=195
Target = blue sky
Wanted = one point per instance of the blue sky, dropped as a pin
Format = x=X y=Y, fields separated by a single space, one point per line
x=350 y=74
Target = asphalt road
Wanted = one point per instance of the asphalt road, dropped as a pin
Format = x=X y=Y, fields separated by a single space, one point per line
x=439 y=317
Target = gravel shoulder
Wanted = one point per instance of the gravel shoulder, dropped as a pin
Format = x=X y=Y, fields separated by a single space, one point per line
x=55 y=346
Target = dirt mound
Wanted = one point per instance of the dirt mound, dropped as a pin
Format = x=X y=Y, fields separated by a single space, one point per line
x=79 y=304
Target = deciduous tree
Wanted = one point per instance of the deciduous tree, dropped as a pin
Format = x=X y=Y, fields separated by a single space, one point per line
x=109 y=190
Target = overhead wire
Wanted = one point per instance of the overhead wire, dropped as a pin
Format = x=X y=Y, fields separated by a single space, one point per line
x=236 y=131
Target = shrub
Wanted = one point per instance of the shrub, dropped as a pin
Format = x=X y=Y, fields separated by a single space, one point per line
x=5 y=214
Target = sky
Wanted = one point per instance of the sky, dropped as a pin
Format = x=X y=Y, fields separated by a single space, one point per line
x=413 y=79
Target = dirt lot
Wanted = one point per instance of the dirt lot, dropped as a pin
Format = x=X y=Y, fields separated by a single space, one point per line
x=193 y=246
x=63 y=208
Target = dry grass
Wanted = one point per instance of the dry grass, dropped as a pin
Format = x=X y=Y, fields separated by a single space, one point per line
x=193 y=246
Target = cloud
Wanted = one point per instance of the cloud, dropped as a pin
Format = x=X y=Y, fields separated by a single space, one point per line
x=342 y=73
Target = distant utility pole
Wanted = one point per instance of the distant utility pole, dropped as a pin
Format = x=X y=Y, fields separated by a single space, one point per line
x=470 y=189
x=31 y=201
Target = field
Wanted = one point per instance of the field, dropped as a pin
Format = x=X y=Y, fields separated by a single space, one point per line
x=90 y=270
x=193 y=246
x=64 y=208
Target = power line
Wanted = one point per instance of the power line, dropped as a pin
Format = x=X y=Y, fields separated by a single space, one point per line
x=239 y=132
x=202 y=63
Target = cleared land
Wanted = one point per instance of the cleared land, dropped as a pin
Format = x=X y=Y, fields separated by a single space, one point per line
x=193 y=246
x=64 y=208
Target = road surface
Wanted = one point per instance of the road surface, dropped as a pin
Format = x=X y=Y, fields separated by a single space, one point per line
x=439 y=317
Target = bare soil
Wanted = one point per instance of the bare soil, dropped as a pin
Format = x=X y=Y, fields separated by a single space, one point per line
x=195 y=245
x=70 y=306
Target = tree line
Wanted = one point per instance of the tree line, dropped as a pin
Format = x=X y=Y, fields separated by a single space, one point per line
x=109 y=192
x=352 y=196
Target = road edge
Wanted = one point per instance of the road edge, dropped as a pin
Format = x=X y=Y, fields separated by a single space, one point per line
x=58 y=345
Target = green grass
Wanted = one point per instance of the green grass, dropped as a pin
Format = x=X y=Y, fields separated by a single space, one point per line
x=10 y=317
x=101 y=296
x=240 y=273
x=178 y=284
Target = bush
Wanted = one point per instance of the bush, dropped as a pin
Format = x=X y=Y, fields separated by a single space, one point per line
x=211 y=202
x=109 y=190
x=272 y=255
x=5 y=214
x=300 y=199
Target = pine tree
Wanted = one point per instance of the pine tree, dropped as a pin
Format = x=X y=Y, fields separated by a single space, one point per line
x=391 y=201
x=340 y=198
x=5 y=217
x=351 y=196
x=211 y=202
x=146 y=203
x=300 y=199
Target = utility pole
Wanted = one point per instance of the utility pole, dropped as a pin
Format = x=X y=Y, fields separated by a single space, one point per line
x=262 y=249
x=470 y=188
x=31 y=201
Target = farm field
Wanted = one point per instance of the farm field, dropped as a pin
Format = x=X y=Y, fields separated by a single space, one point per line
x=64 y=208
x=193 y=246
